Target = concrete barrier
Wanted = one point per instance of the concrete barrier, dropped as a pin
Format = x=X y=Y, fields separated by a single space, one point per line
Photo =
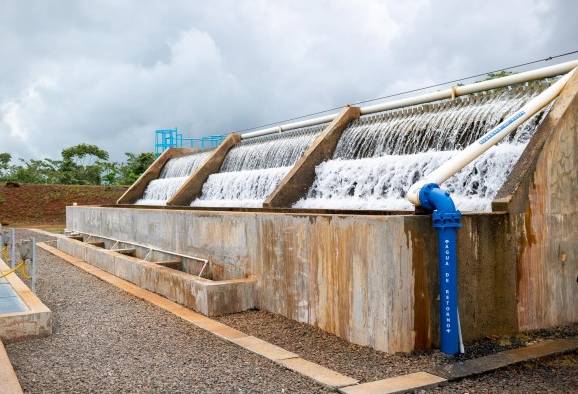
x=371 y=279
x=211 y=298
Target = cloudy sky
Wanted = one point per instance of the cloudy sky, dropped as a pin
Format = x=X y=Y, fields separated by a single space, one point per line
x=109 y=72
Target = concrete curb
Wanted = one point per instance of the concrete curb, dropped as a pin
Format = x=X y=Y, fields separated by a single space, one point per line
x=9 y=383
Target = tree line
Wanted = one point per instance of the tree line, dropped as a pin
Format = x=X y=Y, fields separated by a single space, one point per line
x=81 y=164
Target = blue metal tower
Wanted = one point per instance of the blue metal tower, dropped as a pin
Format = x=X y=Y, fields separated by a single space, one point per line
x=171 y=138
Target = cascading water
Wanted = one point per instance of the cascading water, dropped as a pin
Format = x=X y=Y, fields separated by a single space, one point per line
x=173 y=175
x=254 y=167
x=380 y=156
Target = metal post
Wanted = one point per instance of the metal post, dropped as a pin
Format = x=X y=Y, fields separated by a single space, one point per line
x=13 y=250
x=33 y=266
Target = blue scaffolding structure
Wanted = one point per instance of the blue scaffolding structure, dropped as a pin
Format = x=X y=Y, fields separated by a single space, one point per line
x=171 y=138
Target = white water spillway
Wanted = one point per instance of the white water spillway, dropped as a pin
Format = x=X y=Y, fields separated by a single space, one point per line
x=254 y=167
x=173 y=175
x=380 y=156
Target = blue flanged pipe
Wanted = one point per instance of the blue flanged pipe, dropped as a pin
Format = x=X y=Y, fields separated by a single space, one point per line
x=446 y=220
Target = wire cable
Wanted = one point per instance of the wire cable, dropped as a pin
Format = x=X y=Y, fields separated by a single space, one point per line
x=546 y=59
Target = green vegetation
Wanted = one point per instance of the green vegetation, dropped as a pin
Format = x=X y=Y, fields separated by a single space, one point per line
x=498 y=74
x=81 y=164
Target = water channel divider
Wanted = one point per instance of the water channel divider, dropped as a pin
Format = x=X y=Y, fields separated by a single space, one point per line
x=193 y=185
x=136 y=190
x=301 y=176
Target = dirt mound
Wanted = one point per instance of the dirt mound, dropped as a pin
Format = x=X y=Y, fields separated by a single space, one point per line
x=45 y=204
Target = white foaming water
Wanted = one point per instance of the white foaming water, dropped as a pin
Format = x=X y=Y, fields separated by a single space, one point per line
x=276 y=150
x=440 y=126
x=380 y=156
x=382 y=182
x=240 y=188
x=183 y=166
x=253 y=169
x=173 y=175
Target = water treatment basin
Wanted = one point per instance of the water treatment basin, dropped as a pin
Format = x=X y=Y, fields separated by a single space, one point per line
x=10 y=302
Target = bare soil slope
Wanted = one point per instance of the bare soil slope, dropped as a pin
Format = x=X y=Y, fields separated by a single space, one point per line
x=45 y=204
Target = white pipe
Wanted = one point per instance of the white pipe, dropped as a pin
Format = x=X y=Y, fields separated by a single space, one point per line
x=540 y=73
x=489 y=139
x=290 y=126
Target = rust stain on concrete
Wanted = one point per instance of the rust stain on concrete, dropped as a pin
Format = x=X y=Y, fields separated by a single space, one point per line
x=421 y=307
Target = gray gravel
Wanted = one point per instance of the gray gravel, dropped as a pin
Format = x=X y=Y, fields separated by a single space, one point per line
x=107 y=341
x=549 y=375
x=364 y=363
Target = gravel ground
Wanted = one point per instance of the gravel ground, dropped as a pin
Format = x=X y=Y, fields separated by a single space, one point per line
x=362 y=362
x=549 y=375
x=107 y=341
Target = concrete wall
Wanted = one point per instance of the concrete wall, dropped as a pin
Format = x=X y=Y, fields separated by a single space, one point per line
x=547 y=256
x=212 y=298
x=541 y=198
x=369 y=279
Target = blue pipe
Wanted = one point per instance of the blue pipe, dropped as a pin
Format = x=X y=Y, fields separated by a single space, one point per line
x=446 y=220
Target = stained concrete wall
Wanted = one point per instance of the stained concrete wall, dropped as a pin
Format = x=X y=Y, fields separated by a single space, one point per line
x=541 y=197
x=212 y=298
x=369 y=279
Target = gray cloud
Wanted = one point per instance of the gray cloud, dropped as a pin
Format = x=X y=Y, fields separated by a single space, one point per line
x=110 y=72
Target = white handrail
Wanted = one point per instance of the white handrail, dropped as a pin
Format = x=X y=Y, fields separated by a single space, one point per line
x=455 y=91
x=492 y=137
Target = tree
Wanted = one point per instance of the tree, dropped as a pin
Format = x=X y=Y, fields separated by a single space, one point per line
x=498 y=74
x=135 y=165
x=110 y=172
x=34 y=171
x=5 y=159
x=81 y=165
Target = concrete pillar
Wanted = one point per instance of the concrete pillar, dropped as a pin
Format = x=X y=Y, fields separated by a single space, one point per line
x=137 y=189
x=301 y=176
x=193 y=186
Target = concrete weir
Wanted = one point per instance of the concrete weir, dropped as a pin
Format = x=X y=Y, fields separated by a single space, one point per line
x=369 y=277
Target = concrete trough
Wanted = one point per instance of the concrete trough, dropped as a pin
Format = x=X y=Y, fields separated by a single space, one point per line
x=210 y=297
x=22 y=314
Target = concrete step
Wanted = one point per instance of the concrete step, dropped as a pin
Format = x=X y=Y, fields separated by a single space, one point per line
x=174 y=264
x=125 y=251
x=100 y=244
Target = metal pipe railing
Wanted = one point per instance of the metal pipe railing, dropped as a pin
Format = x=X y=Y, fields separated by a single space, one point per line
x=455 y=91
